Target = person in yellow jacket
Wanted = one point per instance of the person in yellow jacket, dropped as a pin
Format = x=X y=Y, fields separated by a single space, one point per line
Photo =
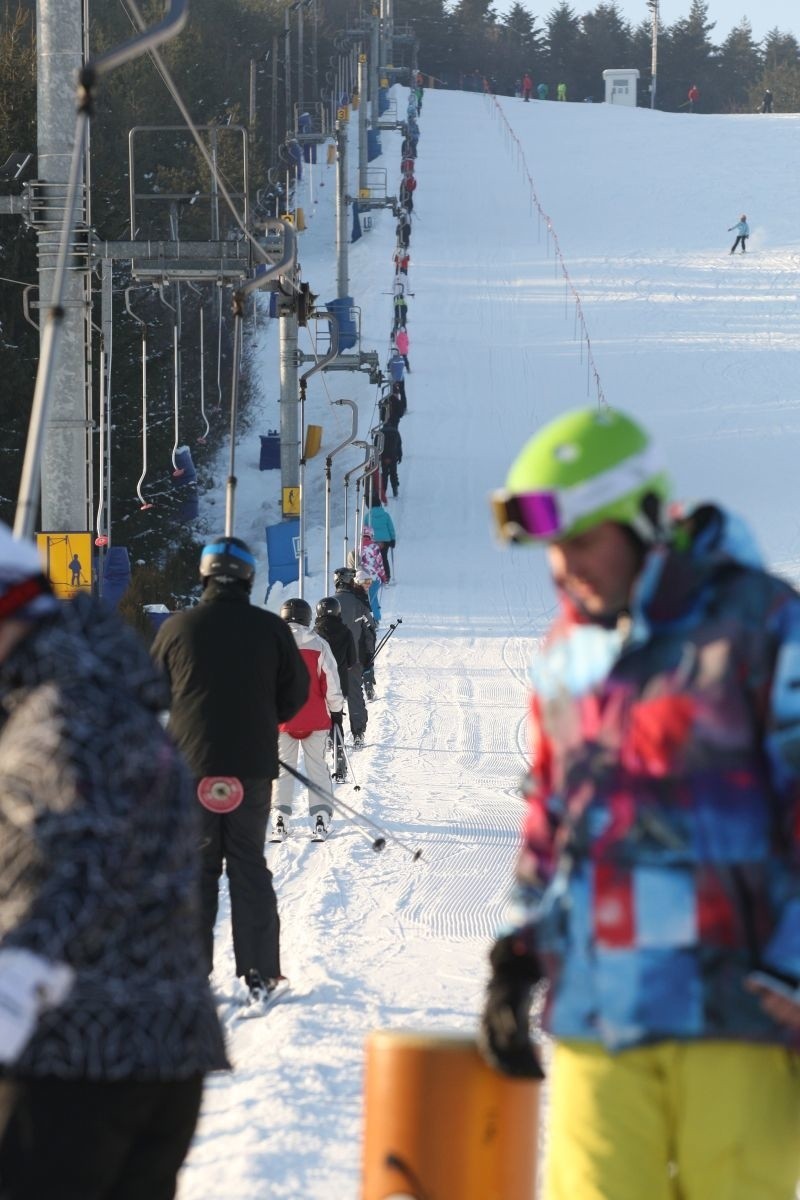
x=561 y=91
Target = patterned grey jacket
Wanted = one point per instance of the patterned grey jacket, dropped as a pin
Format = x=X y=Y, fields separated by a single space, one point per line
x=98 y=854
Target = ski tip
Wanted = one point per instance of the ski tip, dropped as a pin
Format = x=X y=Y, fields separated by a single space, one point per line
x=379 y=844
x=417 y=856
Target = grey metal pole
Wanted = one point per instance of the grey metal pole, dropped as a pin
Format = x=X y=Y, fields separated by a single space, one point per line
x=328 y=466
x=362 y=126
x=653 y=4
x=64 y=495
x=273 y=125
x=342 y=282
x=287 y=71
x=290 y=430
x=374 y=56
x=300 y=56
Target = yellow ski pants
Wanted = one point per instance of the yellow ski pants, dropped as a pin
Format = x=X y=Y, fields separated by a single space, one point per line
x=673 y=1121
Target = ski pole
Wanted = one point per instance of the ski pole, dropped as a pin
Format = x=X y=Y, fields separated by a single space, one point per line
x=386 y=637
x=384 y=835
x=394 y=572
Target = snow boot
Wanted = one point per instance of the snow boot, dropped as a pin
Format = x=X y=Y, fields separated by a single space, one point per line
x=279 y=829
x=321 y=828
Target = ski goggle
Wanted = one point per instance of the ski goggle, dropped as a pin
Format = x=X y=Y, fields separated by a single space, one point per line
x=526 y=515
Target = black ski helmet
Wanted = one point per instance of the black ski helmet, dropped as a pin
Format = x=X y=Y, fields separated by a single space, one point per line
x=297 y=610
x=227 y=558
x=343 y=576
x=329 y=606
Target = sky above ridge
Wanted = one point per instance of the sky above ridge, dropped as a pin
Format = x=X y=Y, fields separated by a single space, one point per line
x=763 y=14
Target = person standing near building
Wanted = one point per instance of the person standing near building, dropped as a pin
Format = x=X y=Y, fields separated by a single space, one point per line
x=107 y=1023
x=357 y=616
x=310 y=726
x=742 y=234
x=658 y=882
x=234 y=673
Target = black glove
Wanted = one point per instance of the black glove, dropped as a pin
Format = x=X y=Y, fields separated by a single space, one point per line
x=337 y=722
x=504 y=1037
x=392 y=545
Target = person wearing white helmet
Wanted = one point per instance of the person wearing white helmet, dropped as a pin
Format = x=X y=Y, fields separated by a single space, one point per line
x=107 y=1023
x=657 y=894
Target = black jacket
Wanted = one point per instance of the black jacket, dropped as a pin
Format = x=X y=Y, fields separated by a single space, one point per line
x=392 y=444
x=340 y=640
x=357 y=616
x=234 y=673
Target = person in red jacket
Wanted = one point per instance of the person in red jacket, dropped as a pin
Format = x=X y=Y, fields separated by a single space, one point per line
x=694 y=96
x=311 y=725
x=527 y=86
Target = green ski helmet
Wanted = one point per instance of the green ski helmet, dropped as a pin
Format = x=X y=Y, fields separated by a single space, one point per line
x=589 y=466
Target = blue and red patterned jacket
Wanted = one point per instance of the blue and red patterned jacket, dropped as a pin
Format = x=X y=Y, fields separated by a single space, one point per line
x=661 y=854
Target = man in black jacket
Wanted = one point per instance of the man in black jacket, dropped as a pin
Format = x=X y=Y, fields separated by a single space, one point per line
x=235 y=673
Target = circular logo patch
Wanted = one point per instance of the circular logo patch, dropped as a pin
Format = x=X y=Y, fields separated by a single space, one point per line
x=220 y=793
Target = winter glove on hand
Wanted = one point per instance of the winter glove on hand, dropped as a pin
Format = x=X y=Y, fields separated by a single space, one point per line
x=392 y=545
x=337 y=722
x=28 y=984
x=504 y=1037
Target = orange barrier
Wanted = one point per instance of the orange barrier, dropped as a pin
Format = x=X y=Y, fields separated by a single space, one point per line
x=441 y=1125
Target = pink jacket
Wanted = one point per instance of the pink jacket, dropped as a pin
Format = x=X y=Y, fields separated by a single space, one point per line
x=401 y=341
x=372 y=560
x=324 y=693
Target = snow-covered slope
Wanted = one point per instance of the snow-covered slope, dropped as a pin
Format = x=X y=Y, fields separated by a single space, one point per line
x=701 y=346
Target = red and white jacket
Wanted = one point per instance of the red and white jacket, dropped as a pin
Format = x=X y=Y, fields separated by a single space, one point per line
x=324 y=693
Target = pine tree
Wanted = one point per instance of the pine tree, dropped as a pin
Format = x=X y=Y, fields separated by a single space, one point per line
x=740 y=65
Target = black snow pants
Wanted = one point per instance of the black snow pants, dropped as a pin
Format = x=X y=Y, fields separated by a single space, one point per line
x=389 y=471
x=92 y=1140
x=236 y=839
x=741 y=238
x=356 y=706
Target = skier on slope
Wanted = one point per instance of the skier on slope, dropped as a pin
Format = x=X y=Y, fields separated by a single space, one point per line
x=527 y=86
x=310 y=725
x=107 y=1023
x=742 y=233
x=330 y=626
x=660 y=867
x=357 y=616
x=382 y=525
x=234 y=673
x=391 y=455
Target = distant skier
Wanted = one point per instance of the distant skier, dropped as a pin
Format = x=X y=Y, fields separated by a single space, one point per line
x=693 y=96
x=543 y=91
x=401 y=262
x=400 y=309
x=527 y=87
x=383 y=526
x=742 y=233
x=358 y=618
x=402 y=344
x=391 y=455
x=310 y=726
x=766 y=101
x=393 y=405
x=561 y=91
